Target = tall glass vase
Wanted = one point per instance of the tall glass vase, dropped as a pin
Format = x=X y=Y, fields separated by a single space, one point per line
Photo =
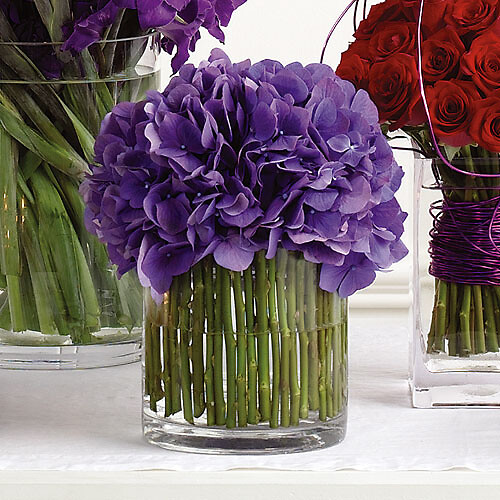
x=61 y=302
x=251 y=362
x=455 y=358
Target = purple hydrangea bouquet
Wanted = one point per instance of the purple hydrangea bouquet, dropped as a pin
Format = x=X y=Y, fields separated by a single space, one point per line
x=64 y=64
x=252 y=200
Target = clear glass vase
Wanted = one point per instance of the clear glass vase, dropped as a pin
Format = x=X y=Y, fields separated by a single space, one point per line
x=455 y=359
x=246 y=363
x=61 y=303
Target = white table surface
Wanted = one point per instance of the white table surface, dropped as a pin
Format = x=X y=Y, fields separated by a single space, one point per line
x=75 y=427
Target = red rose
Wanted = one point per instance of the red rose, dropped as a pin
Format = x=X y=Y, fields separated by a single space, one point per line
x=353 y=65
x=482 y=62
x=392 y=37
x=393 y=86
x=385 y=11
x=465 y=16
x=441 y=55
x=485 y=124
x=433 y=18
x=451 y=106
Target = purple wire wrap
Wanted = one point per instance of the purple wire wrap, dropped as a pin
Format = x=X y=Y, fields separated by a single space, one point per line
x=465 y=242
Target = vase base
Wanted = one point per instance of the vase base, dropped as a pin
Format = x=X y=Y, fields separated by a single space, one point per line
x=254 y=440
x=456 y=396
x=69 y=357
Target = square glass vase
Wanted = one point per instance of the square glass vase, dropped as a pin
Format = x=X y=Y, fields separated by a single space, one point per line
x=455 y=334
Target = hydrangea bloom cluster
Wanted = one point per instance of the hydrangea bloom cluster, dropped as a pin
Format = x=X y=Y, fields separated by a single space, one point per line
x=179 y=20
x=232 y=159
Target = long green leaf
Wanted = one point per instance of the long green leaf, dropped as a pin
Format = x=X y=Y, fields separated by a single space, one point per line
x=45 y=125
x=9 y=251
x=60 y=158
x=46 y=13
x=15 y=65
x=43 y=296
x=85 y=138
x=61 y=16
x=55 y=232
x=6 y=31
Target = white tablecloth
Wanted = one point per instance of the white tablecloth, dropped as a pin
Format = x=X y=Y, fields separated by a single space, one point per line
x=91 y=420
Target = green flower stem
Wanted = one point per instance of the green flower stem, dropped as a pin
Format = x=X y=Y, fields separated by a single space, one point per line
x=220 y=405
x=198 y=338
x=343 y=359
x=432 y=330
x=227 y=319
x=479 y=338
x=208 y=277
x=441 y=316
x=496 y=302
x=43 y=297
x=56 y=235
x=312 y=331
x=110 y=48
x=322 y=354
x=489 y=323
x=173 y=345
x=282 y=260
x=23 y=101
x=153 y=350
x=464 y=316
x=15 y=62
x=472 y=321
x=148 y=376
x=9 y=241
x=291 y=309
x=241 y=343
x=328 y=306
x=17 y=318
x=275 y=343
x=163 y=319
x=262 y=331
x=489 y=327
x=303 y=339
x=251 y=350
x=184 y=324
x=284 y=284
x=337 y=357
x=471 y=314
x=53 y=154
x=157 y=392
x=88 y=295
x=452 y=327
x=30 y=313
x=4 y=307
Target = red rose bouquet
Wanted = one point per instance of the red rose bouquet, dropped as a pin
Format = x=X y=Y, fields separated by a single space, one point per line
x=458 y=67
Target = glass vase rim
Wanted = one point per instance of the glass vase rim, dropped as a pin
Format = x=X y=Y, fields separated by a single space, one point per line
x=11 y=43
x=475 y=159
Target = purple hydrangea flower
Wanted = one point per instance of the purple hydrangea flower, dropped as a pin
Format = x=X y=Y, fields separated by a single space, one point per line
x=179 y=20
x=232 y=159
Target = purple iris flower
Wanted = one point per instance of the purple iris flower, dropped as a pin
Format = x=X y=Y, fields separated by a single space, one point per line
x=180 y=22
x=231 y=159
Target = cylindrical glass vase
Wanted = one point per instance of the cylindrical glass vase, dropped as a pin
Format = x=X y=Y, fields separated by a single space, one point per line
x=455 y=358
x=61 y=302
x=246 y=363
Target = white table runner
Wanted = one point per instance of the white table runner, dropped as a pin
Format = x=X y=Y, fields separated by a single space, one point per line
x=91 y=421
